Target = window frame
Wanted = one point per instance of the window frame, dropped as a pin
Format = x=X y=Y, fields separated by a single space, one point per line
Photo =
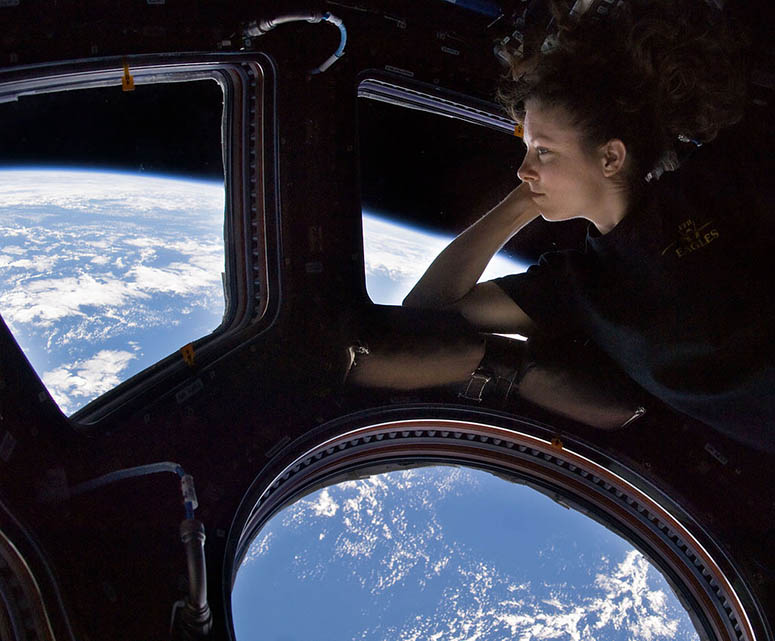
x=249 y=152
x=702 y=575
x=401 y=91
x=405 y=92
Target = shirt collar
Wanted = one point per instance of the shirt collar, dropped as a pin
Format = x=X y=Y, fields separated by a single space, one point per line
x=634 y=234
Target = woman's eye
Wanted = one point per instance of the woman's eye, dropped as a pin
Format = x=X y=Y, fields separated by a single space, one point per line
x=541 y=151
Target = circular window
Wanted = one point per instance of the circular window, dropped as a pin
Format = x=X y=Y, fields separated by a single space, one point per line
x=450 y=529
x=443 y=552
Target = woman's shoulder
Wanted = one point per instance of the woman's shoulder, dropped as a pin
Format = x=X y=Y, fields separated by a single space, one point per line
x=729 y=177
x=720 y=201
x=743 y=148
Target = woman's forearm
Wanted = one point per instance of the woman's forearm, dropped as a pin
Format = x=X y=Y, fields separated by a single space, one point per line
x=456 y=270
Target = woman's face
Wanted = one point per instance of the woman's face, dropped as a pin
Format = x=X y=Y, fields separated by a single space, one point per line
x=567 y=179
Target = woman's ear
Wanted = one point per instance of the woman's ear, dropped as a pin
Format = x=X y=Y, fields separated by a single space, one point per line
x=613 y=155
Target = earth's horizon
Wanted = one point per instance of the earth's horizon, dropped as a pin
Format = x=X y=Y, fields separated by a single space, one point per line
x=104 y=273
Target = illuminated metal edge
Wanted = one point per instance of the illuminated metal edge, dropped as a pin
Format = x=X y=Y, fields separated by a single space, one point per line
x=256 y=197
x=668 y=541
x=35 y=616
x=36 y=596
x=439 y=105
x=245 y=156
x=247 y=161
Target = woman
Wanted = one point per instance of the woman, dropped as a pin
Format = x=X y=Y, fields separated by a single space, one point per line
x=673 y=285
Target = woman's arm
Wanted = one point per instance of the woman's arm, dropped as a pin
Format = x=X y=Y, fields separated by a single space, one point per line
x=451 y=280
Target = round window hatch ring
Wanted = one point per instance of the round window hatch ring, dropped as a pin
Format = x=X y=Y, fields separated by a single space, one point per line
x=701 y=575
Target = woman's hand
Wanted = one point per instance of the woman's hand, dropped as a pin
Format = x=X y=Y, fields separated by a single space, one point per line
x=520 y=199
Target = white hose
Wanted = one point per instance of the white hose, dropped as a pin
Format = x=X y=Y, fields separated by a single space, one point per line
x=256 y=29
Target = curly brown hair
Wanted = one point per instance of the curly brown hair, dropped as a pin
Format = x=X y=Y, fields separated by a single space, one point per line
x=652 y=71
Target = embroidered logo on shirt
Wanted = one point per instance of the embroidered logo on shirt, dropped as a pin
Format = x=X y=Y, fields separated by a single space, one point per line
x=691 y=238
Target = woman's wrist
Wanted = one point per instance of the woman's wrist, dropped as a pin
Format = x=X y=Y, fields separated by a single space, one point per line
x=517 y=209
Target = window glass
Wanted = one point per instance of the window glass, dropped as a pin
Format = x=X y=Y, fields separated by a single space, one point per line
x=424 y=179
x=444 y=552
x=111 y=230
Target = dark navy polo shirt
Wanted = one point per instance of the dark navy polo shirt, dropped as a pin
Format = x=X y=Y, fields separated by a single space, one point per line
x=680 y=293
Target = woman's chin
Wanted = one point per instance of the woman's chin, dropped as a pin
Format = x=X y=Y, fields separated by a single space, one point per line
x=553 y=216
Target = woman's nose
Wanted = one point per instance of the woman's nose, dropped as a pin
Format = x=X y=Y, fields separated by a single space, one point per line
x=526 y=171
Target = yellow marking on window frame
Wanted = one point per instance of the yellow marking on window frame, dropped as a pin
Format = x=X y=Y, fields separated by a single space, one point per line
x=127 y=81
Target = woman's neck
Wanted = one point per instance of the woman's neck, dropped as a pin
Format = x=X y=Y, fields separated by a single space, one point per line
x=614 y=207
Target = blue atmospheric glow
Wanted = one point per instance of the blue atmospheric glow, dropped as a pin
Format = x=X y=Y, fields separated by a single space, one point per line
x=77 y=169
x=396 y=255
x=485 y=7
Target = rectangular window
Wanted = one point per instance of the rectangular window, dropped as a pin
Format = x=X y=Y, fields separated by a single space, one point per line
x=111 y=229
x=429 y=168
x=136 y=201
x=432 y=163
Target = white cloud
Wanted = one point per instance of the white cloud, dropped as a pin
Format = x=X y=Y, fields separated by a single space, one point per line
x=15 y=250
x=474 y=607
x=181 y=279
x=259 y=547
x=86 y=378
x=629 y=602
x=96 y=293
x=396 y=251
x=325 y=505
x=39 y=264
x=395 y=543
x=44 y=301
x=102 y=243
x=142 y=241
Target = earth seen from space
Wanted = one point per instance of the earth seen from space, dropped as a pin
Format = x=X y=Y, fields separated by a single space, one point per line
x=102 y=274
x=447 y=554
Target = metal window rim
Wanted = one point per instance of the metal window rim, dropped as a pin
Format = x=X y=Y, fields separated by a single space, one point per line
x=704 y=579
